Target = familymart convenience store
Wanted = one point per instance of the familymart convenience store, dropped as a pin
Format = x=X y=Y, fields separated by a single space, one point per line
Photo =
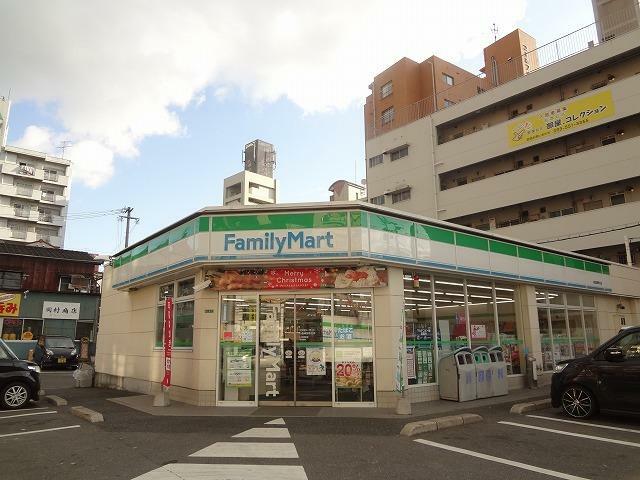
x=343 y=304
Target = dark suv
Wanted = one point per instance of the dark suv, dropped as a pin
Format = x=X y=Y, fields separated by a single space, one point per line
x=60 y=351
x=608 y=379
x=19 y=380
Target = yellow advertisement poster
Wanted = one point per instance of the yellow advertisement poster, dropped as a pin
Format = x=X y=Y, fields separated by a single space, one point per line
x=10 y=304
x=559 y=119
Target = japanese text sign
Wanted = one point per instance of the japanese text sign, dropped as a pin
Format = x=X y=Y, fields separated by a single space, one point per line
x=61 y=310
x=10 y=304
x=569 y=116
x=168 y=340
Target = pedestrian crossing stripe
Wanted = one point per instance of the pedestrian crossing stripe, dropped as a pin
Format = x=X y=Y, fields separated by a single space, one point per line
x=277 y=421
x=193 y=471
x=248 y=450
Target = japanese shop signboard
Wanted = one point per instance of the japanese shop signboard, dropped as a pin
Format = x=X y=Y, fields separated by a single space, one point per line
x=10 y=304
x=61 y=310
x=560 y=119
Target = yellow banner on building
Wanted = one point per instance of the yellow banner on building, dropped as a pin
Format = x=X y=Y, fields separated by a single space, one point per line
x=560 y=119
x=10 y=304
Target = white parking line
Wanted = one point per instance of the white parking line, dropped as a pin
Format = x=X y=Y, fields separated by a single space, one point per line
x=620 y=429
x=571 y=434
x=25 y=410
x=38 y=431
x=27 y=414
x=248 y=450
x=273 y=432
x=504 y=461
x=193 y=471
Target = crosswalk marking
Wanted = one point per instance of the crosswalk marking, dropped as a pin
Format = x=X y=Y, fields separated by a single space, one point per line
x=580 y=435
x=264 y=433
x=248 y=450
x=277 y=421
x=193 y=471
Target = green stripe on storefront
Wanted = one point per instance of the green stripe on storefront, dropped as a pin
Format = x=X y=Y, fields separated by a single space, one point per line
x=436 y=234
x=358 y=219
x=503 y=248
x=159 y=242
x=392 y=225
x=279 y=221
x=605 y=269
x=472 y=241
x=593 y=267
x=182 y=232
x=574 y=263
x=529 y=254
x=139 y=251
x=553 y=259
x=204 y=224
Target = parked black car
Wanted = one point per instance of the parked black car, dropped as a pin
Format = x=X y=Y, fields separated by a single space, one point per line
x=59 y=351
x=19 y=380
x=606 y=380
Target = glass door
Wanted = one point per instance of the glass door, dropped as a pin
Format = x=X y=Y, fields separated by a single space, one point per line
x=295 y=349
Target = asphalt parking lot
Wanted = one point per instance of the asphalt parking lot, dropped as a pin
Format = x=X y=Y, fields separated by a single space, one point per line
x=44 y=442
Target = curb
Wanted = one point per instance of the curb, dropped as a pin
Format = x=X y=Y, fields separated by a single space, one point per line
x=56 y=400
x=86 y=414
x=531 y=406
x=439 y=423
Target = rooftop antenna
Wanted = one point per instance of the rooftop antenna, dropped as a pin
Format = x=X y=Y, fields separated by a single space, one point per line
x=494 y=30
x=63 y=146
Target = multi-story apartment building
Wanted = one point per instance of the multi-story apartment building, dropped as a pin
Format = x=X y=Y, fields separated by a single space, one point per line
x=542 y=146
x=34 y=192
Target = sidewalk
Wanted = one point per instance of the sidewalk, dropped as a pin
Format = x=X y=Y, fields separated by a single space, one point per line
x=144 y=403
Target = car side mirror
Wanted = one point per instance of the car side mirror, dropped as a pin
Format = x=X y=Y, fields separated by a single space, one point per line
x=614 y=354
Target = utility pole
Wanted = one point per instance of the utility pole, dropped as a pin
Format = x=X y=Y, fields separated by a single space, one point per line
x=128 y=217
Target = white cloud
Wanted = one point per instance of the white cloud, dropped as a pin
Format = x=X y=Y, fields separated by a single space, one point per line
x=91 y=162
x=120 y=71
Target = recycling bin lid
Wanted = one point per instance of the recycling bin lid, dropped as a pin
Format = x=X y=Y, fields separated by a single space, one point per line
x=481 y=348
x=462 y=349
x=496 y=348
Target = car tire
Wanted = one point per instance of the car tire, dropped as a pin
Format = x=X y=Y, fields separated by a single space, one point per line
x=15 y=395
x=578 y=402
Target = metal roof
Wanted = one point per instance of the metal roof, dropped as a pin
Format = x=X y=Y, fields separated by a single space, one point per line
x=44 y=252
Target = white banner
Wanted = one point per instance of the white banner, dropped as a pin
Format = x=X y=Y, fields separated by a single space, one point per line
x=61 y=310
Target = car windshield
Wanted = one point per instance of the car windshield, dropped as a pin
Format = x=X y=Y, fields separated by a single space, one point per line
x=6 y=352
x=59 y=342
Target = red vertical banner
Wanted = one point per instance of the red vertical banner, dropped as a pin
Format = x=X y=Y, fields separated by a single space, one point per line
x=168 y=340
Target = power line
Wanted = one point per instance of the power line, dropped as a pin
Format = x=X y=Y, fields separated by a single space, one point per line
x=128 y=217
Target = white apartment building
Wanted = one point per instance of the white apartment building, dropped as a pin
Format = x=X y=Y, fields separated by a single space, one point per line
x=34 y=192
x=545 y=147
x=254 y=185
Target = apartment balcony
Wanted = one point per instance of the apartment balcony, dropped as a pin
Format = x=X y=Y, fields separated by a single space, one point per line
x=53 y=199
x=598 y=166
x=23 y=171
x=583 y=230
x=49 y=219
x=20 y=192
x=491 y=141
x=28 y=236
x=55 y=179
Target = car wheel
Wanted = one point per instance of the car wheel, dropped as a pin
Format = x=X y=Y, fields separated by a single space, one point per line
x=578 y=402
x=15 y=395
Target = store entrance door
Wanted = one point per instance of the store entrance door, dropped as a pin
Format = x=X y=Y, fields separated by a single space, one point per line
x=295 y=345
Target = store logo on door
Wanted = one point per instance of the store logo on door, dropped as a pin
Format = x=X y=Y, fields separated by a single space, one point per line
x=278 y=244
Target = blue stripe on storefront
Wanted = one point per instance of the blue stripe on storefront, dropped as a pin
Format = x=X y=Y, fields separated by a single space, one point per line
x=475 y=270
x=394 y=258
x=201 y=258
x=429 y=263
x=532 y=279
x=579 y=285
x=554 y=282
x=506 y=275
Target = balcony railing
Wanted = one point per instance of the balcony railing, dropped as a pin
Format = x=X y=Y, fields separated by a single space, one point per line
x=45 y=217
x=620 y=22
x=26 y=170
x=21 y=212
x=19 y=234
x=24 y=191
x=48 y=197
x=52 y=177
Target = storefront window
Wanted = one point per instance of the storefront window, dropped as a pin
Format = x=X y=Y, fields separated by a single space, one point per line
x=34 y=327
x=159 y=327
x=450 y=314
x=185 y=287
x=591 y=330
x=508 y=328
x=353 y=347
x=560 y=334
x=545 y=339
x=482 y=321
x=11 y=328
x=541 y=297
x=183 y=321
x=84 y=329
x=238 y=316
x=556 y=298
x=573 y=299
x=576 y=332
x=588 y=301
x=165 y=291
x=418 y=311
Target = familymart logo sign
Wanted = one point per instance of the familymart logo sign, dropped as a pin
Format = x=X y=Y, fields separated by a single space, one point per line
x=279 y=243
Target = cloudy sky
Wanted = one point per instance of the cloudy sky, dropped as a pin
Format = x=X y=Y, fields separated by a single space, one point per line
x=159 y=98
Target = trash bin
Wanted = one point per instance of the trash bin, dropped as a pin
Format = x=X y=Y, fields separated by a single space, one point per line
x=457 y=376
x=499 y=368
x=484 y=373
x=83 y=376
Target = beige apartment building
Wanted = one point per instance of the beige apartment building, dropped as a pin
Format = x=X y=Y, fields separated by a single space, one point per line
x=542 y=146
